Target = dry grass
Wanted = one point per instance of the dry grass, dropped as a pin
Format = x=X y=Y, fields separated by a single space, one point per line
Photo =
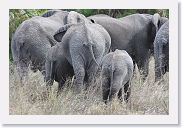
x=147 y=97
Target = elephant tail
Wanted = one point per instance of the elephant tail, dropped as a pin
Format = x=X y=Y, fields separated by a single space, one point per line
x=89 y=43
x=92 y=53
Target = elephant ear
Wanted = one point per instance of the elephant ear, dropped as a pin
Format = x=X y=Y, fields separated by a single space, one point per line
x=156 y=21
x=60 y=33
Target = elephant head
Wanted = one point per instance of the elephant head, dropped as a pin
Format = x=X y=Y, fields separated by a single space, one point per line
x=73 y=18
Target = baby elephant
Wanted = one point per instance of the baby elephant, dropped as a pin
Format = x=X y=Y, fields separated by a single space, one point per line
x=117 y=70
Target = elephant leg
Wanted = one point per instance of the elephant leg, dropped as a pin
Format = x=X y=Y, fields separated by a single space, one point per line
x=134 y=66
x=79 y=71
x=116 y=85
x=142 y=60
x=114 y=90
x=127 y=91
x=143 y=67
x=50 y=73
x=113 y=93
x=33 y=68
x=42 y=69
x=120 y=94
x=158 y=73
x=22 y=69
x=105 y=87
x=60 y=86
x=91 y=72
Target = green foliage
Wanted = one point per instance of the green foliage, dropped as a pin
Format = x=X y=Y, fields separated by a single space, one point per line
x=87 y=12
x=17 y=16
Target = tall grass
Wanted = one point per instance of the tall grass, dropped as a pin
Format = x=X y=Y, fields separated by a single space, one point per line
x=148 y=97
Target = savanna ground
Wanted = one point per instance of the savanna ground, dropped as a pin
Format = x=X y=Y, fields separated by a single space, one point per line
x=149 y=97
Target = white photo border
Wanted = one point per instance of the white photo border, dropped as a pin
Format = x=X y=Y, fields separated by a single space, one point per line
x=172 y=118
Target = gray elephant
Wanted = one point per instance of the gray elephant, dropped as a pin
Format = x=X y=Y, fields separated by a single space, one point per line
x=161 y=51
x=134 y=33
x=117 y=71
x=84 y=44
x=33 y=38
x=58 y=69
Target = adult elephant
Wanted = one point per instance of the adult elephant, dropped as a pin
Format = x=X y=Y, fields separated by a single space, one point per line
x=161 y=51
x=57 y=66
x=84 y=44
x=33 y=38
x=134 y=33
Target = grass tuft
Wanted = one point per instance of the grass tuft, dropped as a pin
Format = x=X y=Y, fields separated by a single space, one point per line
x=148 y=97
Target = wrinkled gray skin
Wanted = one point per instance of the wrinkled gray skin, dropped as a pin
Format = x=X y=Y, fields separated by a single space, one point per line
x=58 y=69
x=117 y=70
x=57 y=66
x=161 y=51
x=84 y=45
x=33 y=38
x=134 y=33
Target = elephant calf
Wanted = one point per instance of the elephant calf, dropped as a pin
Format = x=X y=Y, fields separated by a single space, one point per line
x=161 y=51
x=117 y=70
x=57 y=69
x=84 y=44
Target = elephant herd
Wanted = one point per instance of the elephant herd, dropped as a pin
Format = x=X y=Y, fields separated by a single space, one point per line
x=64 y=44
